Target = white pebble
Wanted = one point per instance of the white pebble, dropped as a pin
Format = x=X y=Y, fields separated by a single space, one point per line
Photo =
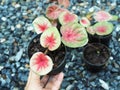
x=12 y=28
x=21 y=68
x=73 y=7
x=18 y=26
x=111 y=58
x=17 y=5
x=30 y=28
x=104 y=84
x=1 y=67
x=119 y=39
x=91 y=9
x=118 y=28
x=4 y=18
x=2 y=40
x=19 y=55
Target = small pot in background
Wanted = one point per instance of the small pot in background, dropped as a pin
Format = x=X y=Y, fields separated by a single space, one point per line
x=100 y=39
x=95 y=56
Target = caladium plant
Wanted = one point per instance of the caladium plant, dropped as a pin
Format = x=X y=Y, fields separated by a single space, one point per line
x=101 y=26
x=53 y=12
x=72 y=34
x=41 y=24
x=67 y=17
x=40 y=63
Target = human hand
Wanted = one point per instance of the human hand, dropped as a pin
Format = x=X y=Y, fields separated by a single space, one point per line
x=34 y=82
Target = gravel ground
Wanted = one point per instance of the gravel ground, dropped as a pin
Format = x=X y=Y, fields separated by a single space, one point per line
x=16 y=32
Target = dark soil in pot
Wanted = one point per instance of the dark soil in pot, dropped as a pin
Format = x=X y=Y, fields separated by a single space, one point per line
x=58 y=56
x=100 y=39
x=95 y=56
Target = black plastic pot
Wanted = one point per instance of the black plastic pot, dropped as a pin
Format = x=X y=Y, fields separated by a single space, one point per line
x=95 y=56
x=100 y=39
x=59 y=54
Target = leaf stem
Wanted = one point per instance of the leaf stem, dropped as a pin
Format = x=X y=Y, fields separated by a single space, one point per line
x=46 y=51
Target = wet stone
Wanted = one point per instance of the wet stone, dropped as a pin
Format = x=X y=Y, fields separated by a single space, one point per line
x=93 y=84
x=19 y=55
x=4 y=18
x=70 y=87
x=115 y=70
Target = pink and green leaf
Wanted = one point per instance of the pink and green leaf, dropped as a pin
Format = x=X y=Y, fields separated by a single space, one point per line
x=40 y=63
x=53 y=12
x=90 y=30
x=65 y=3
x=102 y=16
x=74 y=35
x=114 y=17
x=50 y=39
x=41 y=24
x=85 y=22
x=103 y=28
x=67 y=17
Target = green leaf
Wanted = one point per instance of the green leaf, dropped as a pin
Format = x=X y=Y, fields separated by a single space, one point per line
x=74 y=35
x=67 y=17
x=50 y=39
x=40 y=63
x=103 y=28
x=41 y=24
x=114 y=17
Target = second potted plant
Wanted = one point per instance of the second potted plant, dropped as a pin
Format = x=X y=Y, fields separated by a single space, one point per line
x=98 y=26
x=96 y=53
x=96 y=56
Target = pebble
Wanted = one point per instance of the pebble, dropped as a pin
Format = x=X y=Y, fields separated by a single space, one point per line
x=93 y=84
x=115 y=70
x=111 y=58
x=21 y=68
x=70 y=87
x=118 y=77
x=3 y=81
x=104 y=84
x=30 y=28
x=116 y=65
x=17 y=5
x=19 y=55
x=4 y=18
x=2 y=40
x=12 y=28
x=1 y=67
x=18 y=26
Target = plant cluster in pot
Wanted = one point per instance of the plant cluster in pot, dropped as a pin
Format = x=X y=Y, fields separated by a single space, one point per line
x=99 y=26
x=96 y=54
x=47 y=50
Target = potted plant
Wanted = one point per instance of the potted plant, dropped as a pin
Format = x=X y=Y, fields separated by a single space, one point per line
x=96 y=56
x=99 y=26
x=47 y=50
x=99 y=29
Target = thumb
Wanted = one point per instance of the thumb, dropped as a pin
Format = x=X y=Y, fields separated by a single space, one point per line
x=33 y=79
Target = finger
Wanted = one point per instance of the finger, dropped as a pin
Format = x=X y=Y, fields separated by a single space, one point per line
x=28 y=81
x=55 y=82
x=44 y=80
x=33 y=78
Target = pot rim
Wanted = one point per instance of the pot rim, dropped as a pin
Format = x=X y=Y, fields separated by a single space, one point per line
x=101 y=36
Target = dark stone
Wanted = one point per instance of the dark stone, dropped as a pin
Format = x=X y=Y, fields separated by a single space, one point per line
x=115 y=70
